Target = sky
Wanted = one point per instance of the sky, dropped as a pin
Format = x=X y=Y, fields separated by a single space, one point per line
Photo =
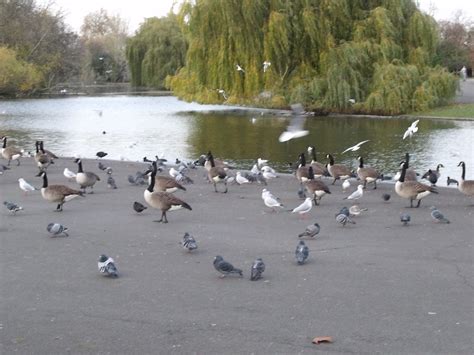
x=135 y=11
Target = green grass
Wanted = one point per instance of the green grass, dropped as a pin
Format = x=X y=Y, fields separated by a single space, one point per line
x=451 y=111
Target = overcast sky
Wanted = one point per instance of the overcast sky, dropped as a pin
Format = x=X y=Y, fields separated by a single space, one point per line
x=134 y=11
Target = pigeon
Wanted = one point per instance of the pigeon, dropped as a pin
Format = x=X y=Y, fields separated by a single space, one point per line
x=386 y=197
x=270 y=200
x=344 y=219
x=438 y=216
x=189 y=243
x=258 y=267
x=355 y=210
x=132 y=180
x=411 y=130
x=301 y=252
x=101 y=166
x=450 y=181
x=345 y=185
x=356 y=194
x=25 y=186
x=12 y=207
x=57 y=229
x=106 y=266
x=101 y=154
x=305 y=207
x=69 y=174
x=111 y=182
x=250 y=177
x=240 y=179
x=301 y=193
x=261 y=179
x=405 y=218
x=356 y=147
x=3 y=168
x=311 y=231
x=224 y=267
x=108 y=170
x=138 y=207
x=344 y=210
x=183 y=179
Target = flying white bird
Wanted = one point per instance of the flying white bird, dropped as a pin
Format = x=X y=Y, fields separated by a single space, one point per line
x=411 y=130
x=266 y=65
x=352 y=101
x=25 y=186
x=222 y=92
x=239 y=68
x=295 y=128
x=356 y=147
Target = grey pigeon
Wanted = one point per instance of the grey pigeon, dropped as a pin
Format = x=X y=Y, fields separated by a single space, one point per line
x=224 y=267
x=101 y=154
x=386 y=197
x=12 y=207
x=250 y=177
x=189 y=243
x=438 y=216
x=344 y=219
x=132 y=180
x=301 y=252
x=111 y=183
x=107 y=266
x=3 y=168
x=452 y=181
x=138 y=207
x=301 y=193
x=56 y=229
x=258 y=267
x=405 y=218
x=108 y=170
x=311 y=231
x=344 y=210
x=101 y=166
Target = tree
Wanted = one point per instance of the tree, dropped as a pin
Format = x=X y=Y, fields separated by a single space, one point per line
x=157 y=50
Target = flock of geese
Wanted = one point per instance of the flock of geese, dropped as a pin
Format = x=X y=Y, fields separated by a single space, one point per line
x=159 y=192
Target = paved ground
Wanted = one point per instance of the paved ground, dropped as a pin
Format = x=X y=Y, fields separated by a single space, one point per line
x=375 y=287
x=466 y=92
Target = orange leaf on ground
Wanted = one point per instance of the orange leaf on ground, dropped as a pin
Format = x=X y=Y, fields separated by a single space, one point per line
x=319 y=340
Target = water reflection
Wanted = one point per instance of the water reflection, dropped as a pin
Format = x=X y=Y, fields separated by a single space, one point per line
x=145 y=126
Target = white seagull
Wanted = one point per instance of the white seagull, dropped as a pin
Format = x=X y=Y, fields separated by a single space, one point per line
x=355 y=147
x=266 y=65
x=270 y=200
x=411 y=130
x=345 y=185
x=69 y=174
x=295 y=128
x=305 y=207
x=241 y=179
x=239 y=68
x=25 y=186
x=357 y=194
x=222 y=92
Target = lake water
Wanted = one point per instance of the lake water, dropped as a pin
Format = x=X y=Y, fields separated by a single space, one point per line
x=138 y=126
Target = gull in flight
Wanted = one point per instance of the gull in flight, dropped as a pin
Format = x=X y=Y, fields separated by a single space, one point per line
x=239 y=68
x=222 y=92
x=356 y=147
x=411 y=130
x=266 y=65
x=295 y=128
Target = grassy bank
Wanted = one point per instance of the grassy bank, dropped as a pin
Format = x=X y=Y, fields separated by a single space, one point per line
x=465 y=111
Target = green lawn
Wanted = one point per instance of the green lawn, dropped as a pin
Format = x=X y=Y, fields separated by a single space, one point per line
x=451 y=111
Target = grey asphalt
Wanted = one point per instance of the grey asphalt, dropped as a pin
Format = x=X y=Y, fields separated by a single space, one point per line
x=374 y=287
x=465 y=94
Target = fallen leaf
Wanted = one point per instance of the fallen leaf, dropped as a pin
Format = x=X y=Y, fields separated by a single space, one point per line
x=319 y=340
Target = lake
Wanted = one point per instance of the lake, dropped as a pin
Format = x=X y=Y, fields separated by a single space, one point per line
x=138 y=126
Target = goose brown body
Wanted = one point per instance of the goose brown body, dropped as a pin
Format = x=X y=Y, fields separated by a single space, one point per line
x=57 y=193
x=10 y=153
x=337 y=171
x=465 y=186
x=367 y=174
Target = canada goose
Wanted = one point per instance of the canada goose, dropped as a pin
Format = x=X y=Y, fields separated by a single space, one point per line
x=317 y=188
x=57 y=193
x=42 y=159
x=48 y=152
x=465 y=186
x=433 y=175
x=410 y=174
x=337 y=171
x=319 y=169
x=85 y=179
x=11 y=153
x=217 y=163
x=367 y=174
x=413 y=190
x=216 y=174
x=302 y=170
x=163 y=201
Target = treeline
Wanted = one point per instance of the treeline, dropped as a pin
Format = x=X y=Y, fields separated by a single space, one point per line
x=377 y=56
x=38 y=51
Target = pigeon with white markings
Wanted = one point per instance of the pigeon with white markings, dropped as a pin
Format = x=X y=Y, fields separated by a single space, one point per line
x=344 y=210
x=107 y=266
x=12 y=207
x=344 y=219
x=189 y=243
x=57 y=229
x=405 y=218
x=258 y=267
x=224 y=267
x=438 y=216
x=311 y=231
x=111 y=182
x=301 y=252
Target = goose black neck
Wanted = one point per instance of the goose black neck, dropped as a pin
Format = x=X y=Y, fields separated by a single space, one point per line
x=361 y=162
x=331 y=159
x=37 y=148
x=41 y=147
x=404 y=170
x=79 y=167
x=463 y=175
x=4 y=142
x=211 y=160
x=45 y=180
x=302 y=159
x=407 y=159
x=151 y=186
x=310 y=173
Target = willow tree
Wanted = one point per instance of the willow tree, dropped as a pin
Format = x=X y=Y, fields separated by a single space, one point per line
x=327 y=54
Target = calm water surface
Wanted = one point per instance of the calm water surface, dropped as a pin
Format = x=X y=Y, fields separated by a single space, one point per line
x=138 y=126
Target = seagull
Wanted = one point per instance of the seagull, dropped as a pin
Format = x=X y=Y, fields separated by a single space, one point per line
x=12 y=207
x=111 y=182
x=311 y=231
x=405 y=218
x=386 y=197
x=352 y=101
x=438 y=216
x=295 y=128
x=106 y=266
x=69 y=174
x=411 y=130
x=258 y=267
x=344 y=219
x=239 y=68
x=305 y=207
x=268 y=175
x=356 y=194
x=261 y=163
x=270 y=200
x=189 y=243
x=25 y=186
x=173 y=172
x=254 y=169
x=266 y=65
x=224 y=267
x=56 y=229
x=345 y=185
x=101 y=154
x=222 y=92
x=240 y=179
x=356 y=147
x=301 y=252
x=138 y=207
x=355 y=210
